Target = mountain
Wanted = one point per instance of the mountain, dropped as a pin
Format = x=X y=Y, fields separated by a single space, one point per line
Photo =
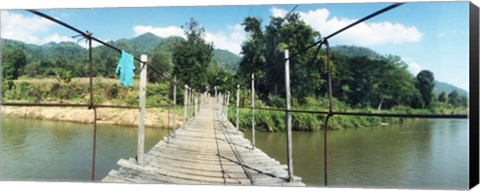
x=143 y=44
x=442 y=86
x=356 y=51
x=226 y=58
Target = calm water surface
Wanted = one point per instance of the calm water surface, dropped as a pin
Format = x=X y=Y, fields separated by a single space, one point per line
x=428 y=154
x=421 y=154
x=62 y=151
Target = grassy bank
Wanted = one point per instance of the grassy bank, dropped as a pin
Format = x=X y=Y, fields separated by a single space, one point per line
x=273 y=121
x=106 y=91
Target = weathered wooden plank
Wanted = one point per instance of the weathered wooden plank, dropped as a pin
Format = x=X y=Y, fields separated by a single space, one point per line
x=208 y=150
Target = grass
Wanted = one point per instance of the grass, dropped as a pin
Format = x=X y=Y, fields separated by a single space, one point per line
x=273 y=121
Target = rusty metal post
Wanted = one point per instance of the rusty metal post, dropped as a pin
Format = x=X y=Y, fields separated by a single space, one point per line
x=330 y=112
x=94 y=150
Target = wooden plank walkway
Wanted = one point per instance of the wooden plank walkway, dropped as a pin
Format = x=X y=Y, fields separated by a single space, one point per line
x=206 y=151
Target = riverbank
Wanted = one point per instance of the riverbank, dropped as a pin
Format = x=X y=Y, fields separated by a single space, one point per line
x=114 y=116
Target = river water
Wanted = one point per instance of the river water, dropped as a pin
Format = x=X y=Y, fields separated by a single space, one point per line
x=429 y=154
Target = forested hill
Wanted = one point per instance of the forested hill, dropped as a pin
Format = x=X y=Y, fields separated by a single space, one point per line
x=356 y=51
x=74 y=54
x=445 y=87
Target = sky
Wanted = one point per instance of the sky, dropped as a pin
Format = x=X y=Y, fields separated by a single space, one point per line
x=432 y=36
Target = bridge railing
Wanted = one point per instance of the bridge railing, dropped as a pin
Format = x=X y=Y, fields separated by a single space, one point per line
x=330 y=112
x=192 y=100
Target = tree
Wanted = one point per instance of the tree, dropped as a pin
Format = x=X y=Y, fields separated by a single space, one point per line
x=454 y=98
x=264 y=56
x=443 y=97
x=62 y=75
x=425 y=84
x=162 y=64
x=14 y=63
x=192 y=57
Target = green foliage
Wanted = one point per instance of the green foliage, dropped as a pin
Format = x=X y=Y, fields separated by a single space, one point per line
x=445 y=87
x=453 y=98
x=192 y=57
x=425 y=84
x=62 y=75
x=161 y=63
x=13 y=64
x=443 y=97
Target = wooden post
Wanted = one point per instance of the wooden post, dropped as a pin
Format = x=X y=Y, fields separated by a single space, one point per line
x=227 y=105
x=216 y=99
x=174 y=105
x=189 y=104
x=192 y=103
x=288 y=118
x=238 y=104
x=185 y=98
x=220 y=102
x=141 y=117
x=253 y=111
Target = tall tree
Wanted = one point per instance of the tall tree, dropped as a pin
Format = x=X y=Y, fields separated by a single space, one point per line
x=425 y=84
x=14 y=63
x=454 y=98
x=192 y=57
x=162 y=64
x=253 y=50
x=264 y=55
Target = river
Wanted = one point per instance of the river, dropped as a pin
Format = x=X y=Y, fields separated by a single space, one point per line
x=428 y=154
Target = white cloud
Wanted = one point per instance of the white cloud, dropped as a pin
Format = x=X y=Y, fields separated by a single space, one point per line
x=159 y=31
x=363 y=34
x=276 y=12
x=33 y=30
x=414 y=68
x=57 y=38
x=18 y=27
x=230 y=40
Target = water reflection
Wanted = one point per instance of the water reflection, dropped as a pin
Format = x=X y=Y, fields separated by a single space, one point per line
x=428 y=154
x=61 y=151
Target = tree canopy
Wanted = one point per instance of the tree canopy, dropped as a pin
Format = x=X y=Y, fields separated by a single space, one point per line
x=192 y=57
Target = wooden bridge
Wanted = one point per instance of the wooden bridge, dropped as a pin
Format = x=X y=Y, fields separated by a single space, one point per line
x=208 y=150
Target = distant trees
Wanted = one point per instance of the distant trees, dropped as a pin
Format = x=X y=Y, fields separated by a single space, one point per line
x=443 y=97
x=192 y=57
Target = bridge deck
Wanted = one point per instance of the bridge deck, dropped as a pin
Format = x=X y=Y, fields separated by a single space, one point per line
x=207 y=151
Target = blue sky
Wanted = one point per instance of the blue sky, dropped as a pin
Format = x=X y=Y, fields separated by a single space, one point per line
x=431 y=36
